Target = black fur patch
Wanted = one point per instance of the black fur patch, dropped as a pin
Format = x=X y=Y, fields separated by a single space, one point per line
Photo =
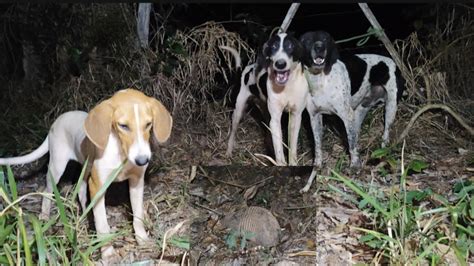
x=357 y=69
x=400 y=84
x=378 y=75
x=262 y=83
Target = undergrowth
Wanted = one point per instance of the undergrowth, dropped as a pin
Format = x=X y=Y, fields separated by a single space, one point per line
x=60 y=240
x=413 y=226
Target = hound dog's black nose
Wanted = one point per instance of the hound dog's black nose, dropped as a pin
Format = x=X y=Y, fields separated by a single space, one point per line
x=280 y=64
x=141 y=160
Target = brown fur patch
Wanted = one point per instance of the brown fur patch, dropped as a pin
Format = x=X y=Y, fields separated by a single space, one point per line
x=94 y=183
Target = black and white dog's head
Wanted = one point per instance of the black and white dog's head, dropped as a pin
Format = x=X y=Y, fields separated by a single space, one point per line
x=280 y=55
x=320 y=51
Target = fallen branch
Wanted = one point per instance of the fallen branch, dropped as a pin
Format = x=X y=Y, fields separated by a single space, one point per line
x=434 y=106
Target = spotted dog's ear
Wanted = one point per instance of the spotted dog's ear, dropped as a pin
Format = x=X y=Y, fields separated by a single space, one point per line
x=98 y=124
x=306 y=41
x=332 y=54
x=299 y=53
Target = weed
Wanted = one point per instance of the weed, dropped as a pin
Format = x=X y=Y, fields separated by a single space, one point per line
x=27 y=240
x=405 y=230
x=238 y=238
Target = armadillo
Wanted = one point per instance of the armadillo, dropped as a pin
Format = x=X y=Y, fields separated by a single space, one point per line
x=260 y=222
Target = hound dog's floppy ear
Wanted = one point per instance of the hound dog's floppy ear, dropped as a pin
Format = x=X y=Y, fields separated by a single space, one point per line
x=98 y=124
x=162 y=120
x=332 y=54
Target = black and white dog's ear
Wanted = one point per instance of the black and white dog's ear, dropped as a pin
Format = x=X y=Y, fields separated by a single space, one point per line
x=332 y=55
x=299 y=53
x=306 y=40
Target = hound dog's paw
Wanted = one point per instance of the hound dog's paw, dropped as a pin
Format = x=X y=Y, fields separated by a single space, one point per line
x=143 y=240
x=109 y=256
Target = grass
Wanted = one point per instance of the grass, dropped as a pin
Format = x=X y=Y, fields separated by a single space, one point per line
x=413 y=227
x=26 y=240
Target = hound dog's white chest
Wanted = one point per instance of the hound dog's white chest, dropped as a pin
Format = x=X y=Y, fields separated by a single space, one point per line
x=111 y=160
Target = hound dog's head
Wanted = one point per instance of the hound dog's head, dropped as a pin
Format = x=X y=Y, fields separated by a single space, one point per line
x=130 y=116
x=320 y=51
x=281 y=53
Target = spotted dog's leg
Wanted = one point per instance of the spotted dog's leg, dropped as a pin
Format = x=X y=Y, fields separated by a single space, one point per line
x=346 y=113
x=390 y=112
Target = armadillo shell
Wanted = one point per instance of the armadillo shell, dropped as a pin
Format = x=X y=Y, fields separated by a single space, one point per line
x=260 y=224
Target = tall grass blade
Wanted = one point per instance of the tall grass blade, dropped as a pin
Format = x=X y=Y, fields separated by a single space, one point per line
x=102 y=190
x=361 y=193
x=12 y=183
x=24 y=236
x=39 y=238
x=62 y=210
x=81 y=179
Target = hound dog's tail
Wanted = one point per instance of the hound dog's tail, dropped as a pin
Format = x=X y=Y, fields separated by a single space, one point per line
x=28 y=158
x=235 y=53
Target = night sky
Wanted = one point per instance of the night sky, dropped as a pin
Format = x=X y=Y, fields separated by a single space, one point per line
x=341 y=20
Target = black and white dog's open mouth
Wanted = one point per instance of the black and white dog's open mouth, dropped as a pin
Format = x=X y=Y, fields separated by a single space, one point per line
x=281 y=77
x=319 y=61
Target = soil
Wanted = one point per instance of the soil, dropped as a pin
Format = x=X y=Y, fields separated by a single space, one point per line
x=317 y=226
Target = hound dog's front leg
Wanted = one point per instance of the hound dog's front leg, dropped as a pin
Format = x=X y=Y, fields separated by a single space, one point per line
x=136 y=199
x=275 y=127
x=295 y=124
x=100 y=215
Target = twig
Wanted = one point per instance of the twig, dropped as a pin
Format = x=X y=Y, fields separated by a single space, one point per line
x=383 y=37
x=289 y=17
x=209 y=209
x=434 y=106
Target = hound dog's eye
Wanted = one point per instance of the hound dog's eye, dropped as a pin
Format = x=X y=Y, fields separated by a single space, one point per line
x=148 y=125
x=124 y=127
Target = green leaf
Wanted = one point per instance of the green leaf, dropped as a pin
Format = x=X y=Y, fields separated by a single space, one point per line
x=380 y=153
x=180 y=242
x=417 y=165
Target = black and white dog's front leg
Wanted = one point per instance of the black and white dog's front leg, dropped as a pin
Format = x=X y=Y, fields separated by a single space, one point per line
x=295 y=124
x=316 y=120
x=275 y=127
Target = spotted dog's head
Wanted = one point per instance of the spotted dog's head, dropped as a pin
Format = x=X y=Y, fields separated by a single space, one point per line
x=281 y=54
x=320 y=51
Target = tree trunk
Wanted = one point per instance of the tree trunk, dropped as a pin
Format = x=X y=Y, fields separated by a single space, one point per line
x=143 y=22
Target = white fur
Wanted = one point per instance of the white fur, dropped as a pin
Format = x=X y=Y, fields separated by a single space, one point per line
x=64 y=139
x=390 y=99
x=291 y=99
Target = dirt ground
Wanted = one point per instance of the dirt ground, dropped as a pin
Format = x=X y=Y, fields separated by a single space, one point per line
x=315 y=227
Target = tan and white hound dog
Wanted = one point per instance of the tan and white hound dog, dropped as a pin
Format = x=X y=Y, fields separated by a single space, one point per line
x=116 y=130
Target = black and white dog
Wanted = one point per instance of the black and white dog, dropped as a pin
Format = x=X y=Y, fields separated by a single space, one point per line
x=347 y=88
x=280 y=82
x=330 y=90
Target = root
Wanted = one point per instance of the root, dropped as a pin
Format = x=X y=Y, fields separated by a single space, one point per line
x=434 y=106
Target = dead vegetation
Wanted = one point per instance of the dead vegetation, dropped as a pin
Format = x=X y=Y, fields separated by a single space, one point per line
x=180 y=69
